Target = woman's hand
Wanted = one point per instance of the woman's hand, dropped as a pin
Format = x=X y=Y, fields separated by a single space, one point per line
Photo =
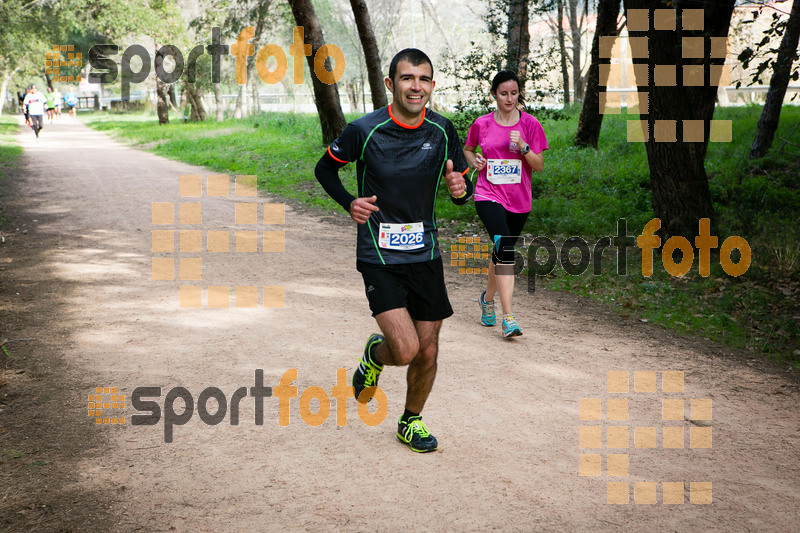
x=476 y=161
x=516 y=138
x=480 y=162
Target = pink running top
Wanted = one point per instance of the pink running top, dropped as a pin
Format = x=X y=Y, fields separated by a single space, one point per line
x=496 y=145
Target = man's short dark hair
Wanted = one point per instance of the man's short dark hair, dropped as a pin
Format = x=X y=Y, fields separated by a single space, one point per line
x=412 y=55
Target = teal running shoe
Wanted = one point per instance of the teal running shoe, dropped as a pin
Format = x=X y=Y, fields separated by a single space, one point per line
x=510 y=327
x=488 y=317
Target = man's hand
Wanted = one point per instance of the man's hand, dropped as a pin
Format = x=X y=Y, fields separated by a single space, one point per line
x=362 y=208
x=455 y=181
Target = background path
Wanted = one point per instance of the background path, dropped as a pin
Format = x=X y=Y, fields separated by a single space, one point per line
x=506 y=413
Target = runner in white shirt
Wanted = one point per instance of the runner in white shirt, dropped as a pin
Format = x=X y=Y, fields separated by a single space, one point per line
x=35 y=102
x=58 y=101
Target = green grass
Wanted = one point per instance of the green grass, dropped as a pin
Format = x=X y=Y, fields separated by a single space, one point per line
x=281 y=149
x=582 y=192
x=9 y=150
x=12 y=454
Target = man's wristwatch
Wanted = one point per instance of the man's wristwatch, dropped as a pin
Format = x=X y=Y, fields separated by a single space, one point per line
x=525 y=149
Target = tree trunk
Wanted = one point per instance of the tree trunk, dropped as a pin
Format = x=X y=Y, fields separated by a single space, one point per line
x=782 y=69
x=519 y=41
x=161 y=102
x=220 y=111
x=563 y=49
x=352 y=95
x=7 y=75
x=255 y=108
x=326 y=96
x=591 y=119
x=680 y=192
x=173 y=101
x=430 y=9
x=261 y=15
x=238 y=111
x=575 y=31
x=371 y=54
x=161 y=91
x=194 y=96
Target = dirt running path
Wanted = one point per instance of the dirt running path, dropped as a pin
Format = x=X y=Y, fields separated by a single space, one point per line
x=506 y=413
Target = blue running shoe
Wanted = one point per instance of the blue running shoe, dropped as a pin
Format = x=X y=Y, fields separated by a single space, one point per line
x=510 y=327
x=488 y=317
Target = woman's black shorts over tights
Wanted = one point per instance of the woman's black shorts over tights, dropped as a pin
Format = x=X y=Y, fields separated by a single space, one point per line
x=498 y=221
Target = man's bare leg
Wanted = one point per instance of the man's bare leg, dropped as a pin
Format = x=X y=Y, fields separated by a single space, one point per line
x=422 y=370
x=413 y=343
x=402 y=341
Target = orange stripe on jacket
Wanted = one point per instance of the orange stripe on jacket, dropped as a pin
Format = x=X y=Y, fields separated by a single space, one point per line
x=336 y=158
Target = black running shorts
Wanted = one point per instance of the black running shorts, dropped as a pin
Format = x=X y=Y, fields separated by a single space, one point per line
x=419 y=287
x=499 y=221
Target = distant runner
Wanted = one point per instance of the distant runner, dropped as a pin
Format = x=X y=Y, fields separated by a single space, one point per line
x=51 y=104
x=58 y=101
x=35 y=102
x=71 y=100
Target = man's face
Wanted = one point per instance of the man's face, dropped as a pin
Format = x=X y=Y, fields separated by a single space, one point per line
x=411 y=88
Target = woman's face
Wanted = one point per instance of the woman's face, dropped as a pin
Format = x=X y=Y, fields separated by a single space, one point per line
x=507 y=95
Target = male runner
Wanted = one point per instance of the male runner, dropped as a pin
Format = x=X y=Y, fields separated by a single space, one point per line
x=71 y=99
x=58 y=98
x=401 y=152
x=35 y=102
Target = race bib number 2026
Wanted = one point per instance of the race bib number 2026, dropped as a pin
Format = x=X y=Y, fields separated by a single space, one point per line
x=410 y=236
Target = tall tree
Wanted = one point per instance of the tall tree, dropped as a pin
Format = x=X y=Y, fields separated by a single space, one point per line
x=519 y=40
x=162 y=106
x=680 y=192
x=563 y=49
x=429 y=9
x=573 y=9
x=225 y=19
x=194 y=97
x=782 y=69
x=24 y=38
x=326 y=96
x=260 y=11
x=371 y=54
x=591 y=119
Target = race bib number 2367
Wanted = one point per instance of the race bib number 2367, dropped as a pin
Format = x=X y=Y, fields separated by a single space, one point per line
x=504 y=171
